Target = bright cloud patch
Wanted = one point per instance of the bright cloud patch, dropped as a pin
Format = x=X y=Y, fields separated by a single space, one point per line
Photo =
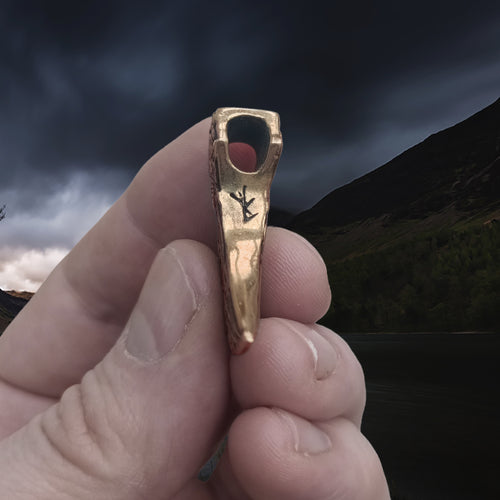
x=28 y=269
x=41 y=226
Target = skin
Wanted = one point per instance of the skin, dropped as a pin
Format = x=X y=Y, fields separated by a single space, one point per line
x=116 y=381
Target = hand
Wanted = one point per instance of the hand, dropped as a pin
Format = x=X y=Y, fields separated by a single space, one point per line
x=116 y=381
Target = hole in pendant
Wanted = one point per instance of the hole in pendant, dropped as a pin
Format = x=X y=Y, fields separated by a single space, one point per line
x=249 y=139
x=243 y=156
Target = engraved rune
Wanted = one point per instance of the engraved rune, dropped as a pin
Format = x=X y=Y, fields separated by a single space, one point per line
x=241 y=198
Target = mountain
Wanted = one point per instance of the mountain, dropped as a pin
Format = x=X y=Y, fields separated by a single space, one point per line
x=413 y=245
x=22 y=295
x=279 y=217
x=10 y=304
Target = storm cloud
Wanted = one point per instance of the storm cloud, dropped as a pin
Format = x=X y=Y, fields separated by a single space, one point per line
x=90 y=90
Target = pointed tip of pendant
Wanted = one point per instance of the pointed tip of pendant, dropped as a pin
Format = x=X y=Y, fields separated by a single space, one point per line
x=248 y=336
x=245 y=341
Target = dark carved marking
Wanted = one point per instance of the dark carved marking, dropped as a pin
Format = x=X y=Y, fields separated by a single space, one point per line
x=241 y=198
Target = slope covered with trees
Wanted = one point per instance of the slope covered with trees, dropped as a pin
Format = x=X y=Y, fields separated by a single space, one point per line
x=414 y=245
x=447 y=280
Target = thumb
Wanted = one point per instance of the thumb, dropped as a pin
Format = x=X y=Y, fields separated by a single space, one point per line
x=143 y=421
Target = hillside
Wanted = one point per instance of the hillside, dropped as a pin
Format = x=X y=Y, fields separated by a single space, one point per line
x=456 y=165
x=414 y=244
x=10 y=304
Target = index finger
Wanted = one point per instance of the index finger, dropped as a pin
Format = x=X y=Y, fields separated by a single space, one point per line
x=78 y=313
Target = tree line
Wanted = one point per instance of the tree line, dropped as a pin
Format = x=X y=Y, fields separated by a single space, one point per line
x=448 y=280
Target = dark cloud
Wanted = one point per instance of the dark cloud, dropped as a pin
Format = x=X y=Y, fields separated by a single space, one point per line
x=57 y=215
x=93 y=86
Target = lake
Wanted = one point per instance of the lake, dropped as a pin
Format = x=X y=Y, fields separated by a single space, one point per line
x=433 y=412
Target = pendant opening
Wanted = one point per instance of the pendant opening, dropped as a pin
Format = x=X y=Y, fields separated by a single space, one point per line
x=247 y=132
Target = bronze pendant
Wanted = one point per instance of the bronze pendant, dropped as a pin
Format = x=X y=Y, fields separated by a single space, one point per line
x=241 y=201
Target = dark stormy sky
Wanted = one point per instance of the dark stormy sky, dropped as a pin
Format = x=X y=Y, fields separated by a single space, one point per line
x=89 y=90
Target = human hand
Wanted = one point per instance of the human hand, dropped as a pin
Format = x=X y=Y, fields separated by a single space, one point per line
x=116 y=381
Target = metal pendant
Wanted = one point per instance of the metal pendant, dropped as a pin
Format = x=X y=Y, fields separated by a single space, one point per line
x=241 y=201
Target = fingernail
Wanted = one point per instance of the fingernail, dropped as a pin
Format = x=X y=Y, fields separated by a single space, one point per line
x=323 y=353
x=165 y=307
x=308 y=439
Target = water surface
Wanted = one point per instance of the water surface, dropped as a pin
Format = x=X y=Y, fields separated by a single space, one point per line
x=433 y=412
